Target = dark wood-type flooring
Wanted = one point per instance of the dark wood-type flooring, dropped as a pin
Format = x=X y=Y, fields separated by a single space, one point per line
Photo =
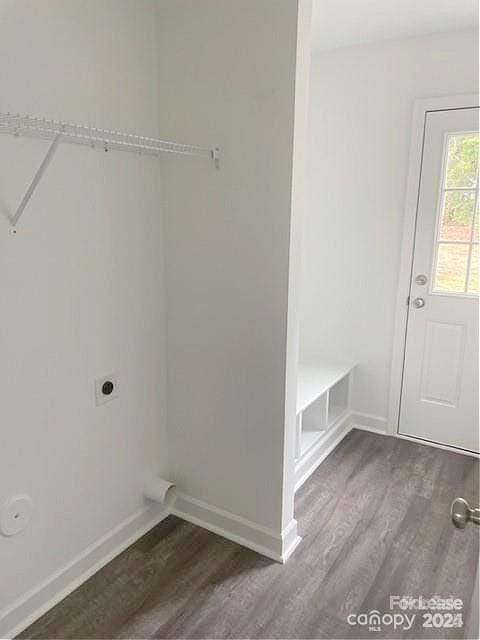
x=374 y=519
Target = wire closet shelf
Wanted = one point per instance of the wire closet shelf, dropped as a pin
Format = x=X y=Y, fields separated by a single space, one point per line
x=56 y=132
x=30 y=126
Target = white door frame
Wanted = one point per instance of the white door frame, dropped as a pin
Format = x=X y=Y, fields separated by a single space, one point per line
x=420 y=110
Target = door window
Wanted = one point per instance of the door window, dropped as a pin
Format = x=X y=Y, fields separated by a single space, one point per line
x=456 y=241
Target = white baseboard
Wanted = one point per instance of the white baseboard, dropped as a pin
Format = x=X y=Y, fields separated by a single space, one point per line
x=277 y=546
x=377 y=424
x=24 y=611
x=290 y=540
x=307 y=464
x=265 y=541
x=369 y=422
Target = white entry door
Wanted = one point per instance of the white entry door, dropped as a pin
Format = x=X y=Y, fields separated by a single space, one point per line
x=439 y=401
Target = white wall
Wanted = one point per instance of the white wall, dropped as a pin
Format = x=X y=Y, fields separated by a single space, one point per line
x=228 y=235
x=81 y=284
x=359 y=135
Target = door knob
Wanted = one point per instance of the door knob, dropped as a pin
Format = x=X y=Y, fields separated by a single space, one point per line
x=462 y=513
x=418 y=303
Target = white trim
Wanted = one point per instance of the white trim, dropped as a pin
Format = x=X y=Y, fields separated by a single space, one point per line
x=298 y=167
x=31 y=606
x=321 y=449
x=377 y=424
x=28 y=608
x=272 y=544
x=369 y=422
x=421 y=107
x=290 y=540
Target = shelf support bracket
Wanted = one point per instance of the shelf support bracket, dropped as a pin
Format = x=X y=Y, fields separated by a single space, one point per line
x=36 y=179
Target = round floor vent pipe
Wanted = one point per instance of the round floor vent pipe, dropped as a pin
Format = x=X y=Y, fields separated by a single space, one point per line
x=161 y=491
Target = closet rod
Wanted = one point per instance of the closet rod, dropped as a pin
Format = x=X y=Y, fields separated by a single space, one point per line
x=93 y=137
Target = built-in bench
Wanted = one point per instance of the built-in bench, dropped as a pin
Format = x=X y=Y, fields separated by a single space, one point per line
x=323 y=404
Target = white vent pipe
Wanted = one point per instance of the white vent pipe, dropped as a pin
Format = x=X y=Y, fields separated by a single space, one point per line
x=162 y=491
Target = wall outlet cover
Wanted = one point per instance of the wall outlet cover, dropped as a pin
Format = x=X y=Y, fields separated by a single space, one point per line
x=106 y=388
x=15 y=515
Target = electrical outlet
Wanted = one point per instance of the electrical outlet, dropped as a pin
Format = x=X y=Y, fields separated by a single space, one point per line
x=106 y=388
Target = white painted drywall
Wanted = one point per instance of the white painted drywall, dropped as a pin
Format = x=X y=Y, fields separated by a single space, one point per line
x=302 y=85
x=343 y=23
x=228 y=79
x=359 y=134
x=81 y=284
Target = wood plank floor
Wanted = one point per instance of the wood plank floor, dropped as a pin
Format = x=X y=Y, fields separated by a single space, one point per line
x=374 y=519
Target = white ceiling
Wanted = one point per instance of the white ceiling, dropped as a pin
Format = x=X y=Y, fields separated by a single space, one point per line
x=342 y=23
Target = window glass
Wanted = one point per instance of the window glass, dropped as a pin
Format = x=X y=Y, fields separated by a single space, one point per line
x=451 y=270
x=457 y=215
x=456 y=245
x=462 y=160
